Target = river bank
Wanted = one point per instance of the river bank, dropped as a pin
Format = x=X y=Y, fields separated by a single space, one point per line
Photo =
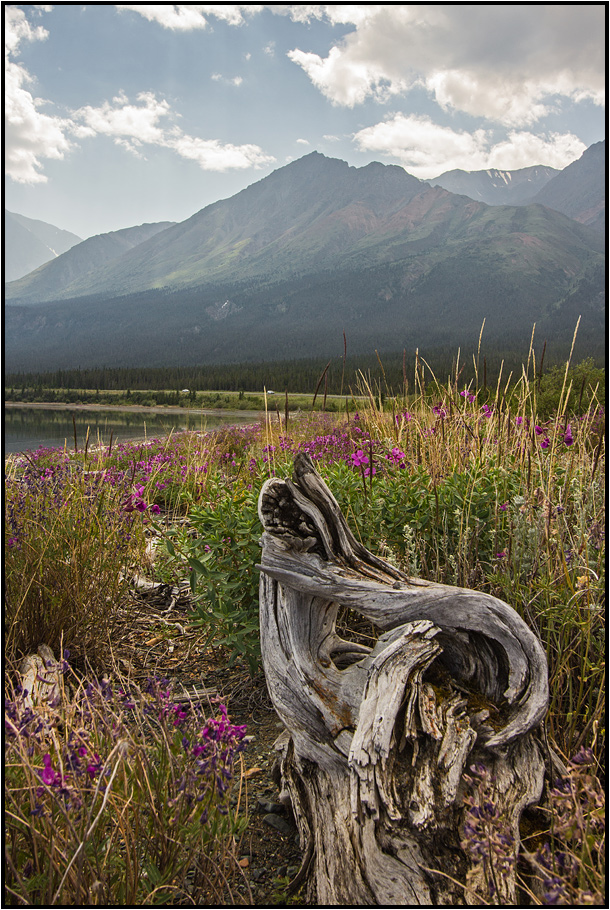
x=133 y=408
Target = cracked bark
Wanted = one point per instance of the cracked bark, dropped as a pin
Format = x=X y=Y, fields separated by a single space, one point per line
x=377 y=739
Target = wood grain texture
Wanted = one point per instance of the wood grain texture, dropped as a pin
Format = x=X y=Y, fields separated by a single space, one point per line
x=378 y=739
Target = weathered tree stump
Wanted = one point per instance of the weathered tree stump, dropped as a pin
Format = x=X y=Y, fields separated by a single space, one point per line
x=378 y=739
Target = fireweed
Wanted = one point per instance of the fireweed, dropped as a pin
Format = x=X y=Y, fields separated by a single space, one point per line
x=119 y=795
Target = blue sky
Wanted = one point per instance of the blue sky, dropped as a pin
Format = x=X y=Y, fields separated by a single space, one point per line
x=120 y=114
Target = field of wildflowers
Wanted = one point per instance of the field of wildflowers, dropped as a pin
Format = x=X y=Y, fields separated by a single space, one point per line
x=462 y=485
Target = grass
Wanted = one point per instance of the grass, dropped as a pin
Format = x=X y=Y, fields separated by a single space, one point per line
x=467 y=485
x=200 y=400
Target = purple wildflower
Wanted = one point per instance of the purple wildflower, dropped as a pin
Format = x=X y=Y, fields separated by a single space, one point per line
x=359 y=458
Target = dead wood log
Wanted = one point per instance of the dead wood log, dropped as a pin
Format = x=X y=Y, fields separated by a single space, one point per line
x=378 y=739
x=40 y=678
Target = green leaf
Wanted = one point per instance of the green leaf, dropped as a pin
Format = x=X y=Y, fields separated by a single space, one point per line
x=197 y=565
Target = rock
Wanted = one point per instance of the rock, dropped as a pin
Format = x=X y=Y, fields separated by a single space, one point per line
x=280 y=824
x=267 y=805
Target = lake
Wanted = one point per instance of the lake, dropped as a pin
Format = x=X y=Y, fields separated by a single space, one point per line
x=31 y=427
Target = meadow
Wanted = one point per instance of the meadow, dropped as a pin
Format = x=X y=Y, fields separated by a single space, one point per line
x=122 y=793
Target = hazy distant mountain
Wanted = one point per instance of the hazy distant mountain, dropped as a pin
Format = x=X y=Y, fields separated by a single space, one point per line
x=496 y=187
x=580 y=189
x=54 y=279
x=28 y=243
x=282 y=268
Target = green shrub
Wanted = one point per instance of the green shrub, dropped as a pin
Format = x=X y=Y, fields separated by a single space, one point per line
x=221 y=549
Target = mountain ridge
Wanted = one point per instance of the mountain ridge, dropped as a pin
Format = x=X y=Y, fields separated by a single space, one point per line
x=28 y=243
x=315 y=249
x=495 y=186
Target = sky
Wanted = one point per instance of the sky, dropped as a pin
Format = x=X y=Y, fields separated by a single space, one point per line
x=123 y=114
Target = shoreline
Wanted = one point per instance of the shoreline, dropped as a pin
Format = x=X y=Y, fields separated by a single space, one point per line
x=132 y=408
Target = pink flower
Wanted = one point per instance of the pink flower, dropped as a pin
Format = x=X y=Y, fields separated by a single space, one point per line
x=48 y=775
x=359 y=458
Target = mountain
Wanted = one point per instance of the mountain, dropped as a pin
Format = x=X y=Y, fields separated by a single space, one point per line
x=316 y=249
x=579 y=191
x=299 y=218
x=497 y=187
x=28 y=243
x=53 y=279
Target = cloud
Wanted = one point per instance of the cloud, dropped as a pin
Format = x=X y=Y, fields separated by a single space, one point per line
x=30 y=135
x=148 y=122
x=507 y=63
x=303 y=142
x=186 y=17
x=212 y=155
x=120 y=119
x=422 y=146
x=426 y=149
x=218 y=77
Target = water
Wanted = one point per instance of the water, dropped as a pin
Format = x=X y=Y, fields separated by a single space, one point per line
x=29 y=428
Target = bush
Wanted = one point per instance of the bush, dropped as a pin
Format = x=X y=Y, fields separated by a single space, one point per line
x=221 y=550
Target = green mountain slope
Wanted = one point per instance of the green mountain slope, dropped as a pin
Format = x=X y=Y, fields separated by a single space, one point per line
x=579 y=191
x=52 y=279
x=315 y=249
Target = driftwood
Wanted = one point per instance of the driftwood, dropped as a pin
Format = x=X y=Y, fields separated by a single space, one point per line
x=378 y=739
x=40 y=678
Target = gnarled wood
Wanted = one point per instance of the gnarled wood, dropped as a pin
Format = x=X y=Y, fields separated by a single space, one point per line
x=40 y=678
x=379 y=738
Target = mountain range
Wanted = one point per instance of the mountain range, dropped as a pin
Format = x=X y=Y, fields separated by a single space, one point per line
x=316 y=249
x=497 y=187
x=29 y=243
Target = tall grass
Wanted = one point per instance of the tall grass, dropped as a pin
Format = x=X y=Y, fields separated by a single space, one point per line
x=118 y=796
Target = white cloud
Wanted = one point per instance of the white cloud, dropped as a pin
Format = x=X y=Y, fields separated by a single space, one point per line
x=346 y=81
x=212 y=155
x=186 y=17
x=523 y=149
x=236 y=80
x=30 y=135
x=132 y=126
x=303 y=142
x=426 y=149
x=118 y=118
x=504 y=62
